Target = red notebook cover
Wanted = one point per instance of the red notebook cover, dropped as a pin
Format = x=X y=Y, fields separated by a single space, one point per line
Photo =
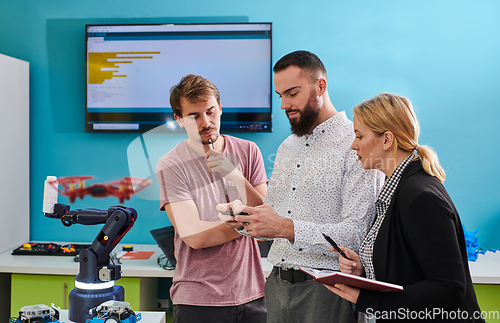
x=330 y=277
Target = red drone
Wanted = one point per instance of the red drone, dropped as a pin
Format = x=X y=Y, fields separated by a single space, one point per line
x=123 y=189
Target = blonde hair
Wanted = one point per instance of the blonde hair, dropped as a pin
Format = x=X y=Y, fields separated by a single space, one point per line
x=394 y=113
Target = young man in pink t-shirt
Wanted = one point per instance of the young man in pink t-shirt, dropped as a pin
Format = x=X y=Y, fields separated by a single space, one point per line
x=219 y=275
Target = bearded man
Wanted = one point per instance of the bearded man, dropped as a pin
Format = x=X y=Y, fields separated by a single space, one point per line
x=317 y=187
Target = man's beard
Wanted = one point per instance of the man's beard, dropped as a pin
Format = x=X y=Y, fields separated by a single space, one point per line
x=206 y=142
x=307 y=117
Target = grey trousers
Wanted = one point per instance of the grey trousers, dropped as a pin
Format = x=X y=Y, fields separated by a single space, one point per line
x=305 y=302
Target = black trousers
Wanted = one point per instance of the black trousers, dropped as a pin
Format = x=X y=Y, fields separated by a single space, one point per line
x=304 y=302
x=251 y=312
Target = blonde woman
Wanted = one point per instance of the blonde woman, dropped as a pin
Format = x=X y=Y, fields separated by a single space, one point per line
x=417 y=239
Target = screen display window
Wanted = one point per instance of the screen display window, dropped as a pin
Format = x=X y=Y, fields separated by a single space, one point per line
x=131 y=69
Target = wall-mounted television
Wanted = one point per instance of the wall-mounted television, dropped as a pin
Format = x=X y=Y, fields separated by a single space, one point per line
x=131 y=68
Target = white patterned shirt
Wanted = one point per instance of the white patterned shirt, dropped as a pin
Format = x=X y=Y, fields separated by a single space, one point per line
x=319 y=184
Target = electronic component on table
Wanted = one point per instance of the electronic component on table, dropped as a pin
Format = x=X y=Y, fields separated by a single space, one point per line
x=113 y=311
x=40 y=313
x=49 y=249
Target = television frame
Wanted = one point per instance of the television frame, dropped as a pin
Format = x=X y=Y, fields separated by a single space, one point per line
x=232 y=120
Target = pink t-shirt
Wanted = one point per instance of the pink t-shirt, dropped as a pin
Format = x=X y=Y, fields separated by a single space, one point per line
x=229 y=274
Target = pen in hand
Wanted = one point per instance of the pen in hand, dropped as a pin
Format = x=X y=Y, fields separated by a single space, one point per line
x=211 y=145
x=330 y=240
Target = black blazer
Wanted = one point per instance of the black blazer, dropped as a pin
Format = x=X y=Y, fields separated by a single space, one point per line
x=421 y=246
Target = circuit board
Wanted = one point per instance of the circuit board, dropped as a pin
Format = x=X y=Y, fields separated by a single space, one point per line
x=49 y=249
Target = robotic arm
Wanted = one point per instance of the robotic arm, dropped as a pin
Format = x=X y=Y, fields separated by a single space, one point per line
x=95 y=264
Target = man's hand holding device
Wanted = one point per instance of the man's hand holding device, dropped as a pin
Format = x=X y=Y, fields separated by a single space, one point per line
x=228 y=211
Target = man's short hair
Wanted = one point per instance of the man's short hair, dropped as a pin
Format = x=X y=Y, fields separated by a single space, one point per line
x=308 y=62
x=193 y=88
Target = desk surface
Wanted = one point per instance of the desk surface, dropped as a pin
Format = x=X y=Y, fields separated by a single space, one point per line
x=485 y=270
x=63 y=265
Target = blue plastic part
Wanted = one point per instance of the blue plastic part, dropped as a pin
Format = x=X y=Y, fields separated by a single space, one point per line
x=44 y=320
x=131 y=319
x=472 y=244
x=40 y=319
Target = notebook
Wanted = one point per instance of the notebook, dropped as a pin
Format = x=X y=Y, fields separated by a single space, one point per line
x=165 y=239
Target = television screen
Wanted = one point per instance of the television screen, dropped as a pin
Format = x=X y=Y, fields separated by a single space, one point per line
x=131 y=69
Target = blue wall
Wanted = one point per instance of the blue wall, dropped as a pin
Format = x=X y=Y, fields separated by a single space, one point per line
x=443 y=55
